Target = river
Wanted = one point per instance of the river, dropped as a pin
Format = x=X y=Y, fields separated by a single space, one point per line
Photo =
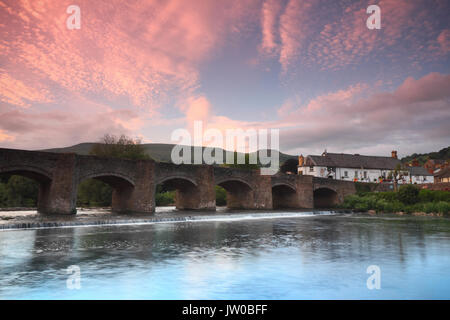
x=297 y=256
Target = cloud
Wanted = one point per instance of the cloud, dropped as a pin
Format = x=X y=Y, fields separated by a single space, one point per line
x=16 y=92
x=128 y=64
x=355 y=118
x=332 y=35
x=269 y=23
x=38 y=129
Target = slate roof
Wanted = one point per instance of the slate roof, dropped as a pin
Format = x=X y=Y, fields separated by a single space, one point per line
x=343 y=160
x=418 y=171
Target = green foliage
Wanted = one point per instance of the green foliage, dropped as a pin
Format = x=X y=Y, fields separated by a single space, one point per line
x=422 y=158
x=443 y=207
x=166 y=198
x=18 y=191
x=408 y=199
x=388 y=195
x=94 y=193
x=426 y=195
x=221 y=196
x=430 y=207
x=122 y=147
x=408 y=194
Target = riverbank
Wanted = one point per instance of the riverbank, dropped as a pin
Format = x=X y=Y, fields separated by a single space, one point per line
x=408 y=200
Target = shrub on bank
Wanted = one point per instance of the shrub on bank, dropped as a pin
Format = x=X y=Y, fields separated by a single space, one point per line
x=443 y=207
x=408 y=199
x=408 y=194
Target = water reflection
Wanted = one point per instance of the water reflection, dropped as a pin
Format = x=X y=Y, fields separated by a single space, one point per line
x=292 y=258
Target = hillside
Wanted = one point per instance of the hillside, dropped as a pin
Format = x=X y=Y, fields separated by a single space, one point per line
x=443 y=154
x=157 y=151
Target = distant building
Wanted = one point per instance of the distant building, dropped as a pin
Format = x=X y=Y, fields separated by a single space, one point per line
x=434 y=164
x=418 y=175
x=442 y=175
x=355 y=167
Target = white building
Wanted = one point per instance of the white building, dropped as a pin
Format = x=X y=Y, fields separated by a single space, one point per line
x=418 y=175
x=355 y=167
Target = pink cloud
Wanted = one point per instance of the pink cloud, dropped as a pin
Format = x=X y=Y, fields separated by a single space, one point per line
x=444 y=41
x=311 y=37
x=269 y=23
x=355 y=117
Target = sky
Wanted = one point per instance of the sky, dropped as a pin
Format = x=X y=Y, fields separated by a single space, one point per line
x=311 y=69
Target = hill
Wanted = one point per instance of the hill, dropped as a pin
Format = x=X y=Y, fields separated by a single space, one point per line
x=158 y=151
x=443 y=154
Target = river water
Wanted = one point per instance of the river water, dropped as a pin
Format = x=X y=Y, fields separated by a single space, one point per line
x=301 y=256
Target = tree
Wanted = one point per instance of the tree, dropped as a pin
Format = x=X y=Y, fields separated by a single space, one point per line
x=95 y=193
x=290 y=165
x=408 y=194
x=111 y=146
x=397 y=174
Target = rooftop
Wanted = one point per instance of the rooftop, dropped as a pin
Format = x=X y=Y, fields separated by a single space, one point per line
x=344 y=160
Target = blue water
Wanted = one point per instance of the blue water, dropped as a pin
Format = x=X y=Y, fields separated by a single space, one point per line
x=305 y=257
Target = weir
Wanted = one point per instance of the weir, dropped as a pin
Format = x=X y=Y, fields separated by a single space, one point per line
x=134 y=183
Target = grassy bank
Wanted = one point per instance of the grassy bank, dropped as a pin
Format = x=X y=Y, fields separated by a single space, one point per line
x=409 y=199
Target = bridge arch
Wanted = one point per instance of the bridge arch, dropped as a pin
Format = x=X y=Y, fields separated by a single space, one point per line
x=325 y=197
x=122 y=188
x=39 y=175
x=239 y=193
x=284 y=195
x=187 y=193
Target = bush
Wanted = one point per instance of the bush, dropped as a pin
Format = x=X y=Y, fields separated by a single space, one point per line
x=221 y=196
x=426 y=195
x=394 y=206
x=408 y=194
x=165 y=198
x=388 y=195
x=350 y=201
x=362 y=206
x=430 y=207
x=443 y=207
x=380 y=205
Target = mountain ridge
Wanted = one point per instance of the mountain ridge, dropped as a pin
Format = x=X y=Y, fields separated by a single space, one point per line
x=157 y=151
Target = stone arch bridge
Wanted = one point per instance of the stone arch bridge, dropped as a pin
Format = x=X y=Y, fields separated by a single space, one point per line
x=134 y=183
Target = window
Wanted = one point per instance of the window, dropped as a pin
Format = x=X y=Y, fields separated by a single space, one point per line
x=346 y=174
x=365 y=174
x=356 y=174
x=311 y=169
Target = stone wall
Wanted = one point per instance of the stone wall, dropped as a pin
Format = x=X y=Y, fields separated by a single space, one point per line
x=444 y=186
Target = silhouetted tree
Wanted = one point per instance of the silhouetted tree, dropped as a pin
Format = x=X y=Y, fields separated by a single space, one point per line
x=111 y=146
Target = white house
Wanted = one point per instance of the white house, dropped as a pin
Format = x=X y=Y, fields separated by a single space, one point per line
x=355 y=167
x=418 y=175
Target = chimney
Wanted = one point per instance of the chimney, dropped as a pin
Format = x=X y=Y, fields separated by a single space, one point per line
x=301 y=160
x=394 y=154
